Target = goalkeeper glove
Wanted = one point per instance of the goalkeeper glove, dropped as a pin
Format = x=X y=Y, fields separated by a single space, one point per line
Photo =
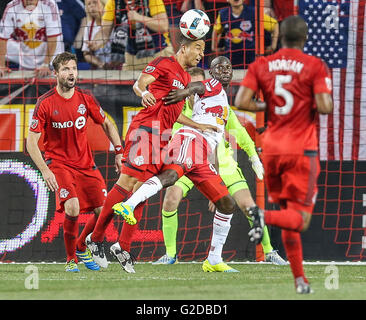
x=257 y=166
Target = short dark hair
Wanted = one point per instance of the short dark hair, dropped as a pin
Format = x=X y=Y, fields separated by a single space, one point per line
x=63 y=58
x=293 y=30
x=196 y=71
x=183 y=40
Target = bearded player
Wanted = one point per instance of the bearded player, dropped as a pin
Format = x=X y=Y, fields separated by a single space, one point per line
x=68 y=167
x=147 y=135
x=295 y=88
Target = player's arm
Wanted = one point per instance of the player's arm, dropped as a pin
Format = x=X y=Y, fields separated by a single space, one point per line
x=324 y=103
x=245 y=142
x=113 y=136
x=36 y=155
x=184 y=120
x=140 y=89
x=322 y=87
x=177 y=95
x=244 y=100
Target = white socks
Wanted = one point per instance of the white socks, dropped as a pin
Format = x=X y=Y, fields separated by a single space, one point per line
x=220 y=231
x=147 y=190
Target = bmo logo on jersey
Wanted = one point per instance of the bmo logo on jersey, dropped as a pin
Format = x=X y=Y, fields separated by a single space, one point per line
x=79 y=123
x=178 y=84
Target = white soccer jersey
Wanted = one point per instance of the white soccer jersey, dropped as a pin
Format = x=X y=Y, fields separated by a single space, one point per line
x=212 y=108
x=28 y=30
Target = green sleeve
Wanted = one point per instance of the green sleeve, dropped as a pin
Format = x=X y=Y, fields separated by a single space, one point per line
x=187 y=111
x=241 y=135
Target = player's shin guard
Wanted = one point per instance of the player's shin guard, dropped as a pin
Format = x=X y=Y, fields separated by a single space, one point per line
x=289 y=219
x=128 y=230
x=220 y=231
x=88 y=228
x=117 y=194
x=293 y=246
x=71 y=229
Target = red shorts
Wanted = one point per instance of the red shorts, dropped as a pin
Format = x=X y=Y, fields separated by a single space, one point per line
x=187 y=154
x=292 y=178
x=85 y=184
x=142 y=152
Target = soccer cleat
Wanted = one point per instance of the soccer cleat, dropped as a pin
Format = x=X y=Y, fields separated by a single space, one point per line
x=97 y=251
x=125 y=211
x=165 y=259
x=87 y=259
x=124 y=258
x=275 y=258
x=256 y=232
x=71 y=266
x=302 y=287
x=220 y=267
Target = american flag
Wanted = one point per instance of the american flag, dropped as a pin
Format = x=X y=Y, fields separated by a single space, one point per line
x=337 y=35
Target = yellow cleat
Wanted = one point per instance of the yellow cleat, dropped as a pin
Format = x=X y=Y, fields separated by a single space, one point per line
x=220 y=267
x=125 y=211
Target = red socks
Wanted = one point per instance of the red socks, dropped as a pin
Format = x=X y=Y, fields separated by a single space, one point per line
x=71 y=231
x=293 y=246
x=117 y=194
x=289 y=219
x=88 y=228
x=125 y=238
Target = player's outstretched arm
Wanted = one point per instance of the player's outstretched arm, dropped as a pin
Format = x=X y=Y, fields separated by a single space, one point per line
x=245 y=142
x=175 y=96
x=35 y=154
x=324 y=103
x=184 y=120
x=244 y=100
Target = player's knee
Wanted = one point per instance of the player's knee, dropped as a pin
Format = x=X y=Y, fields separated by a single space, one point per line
x=168 y=178
x=72 y=207
x=306 y=217
x=172 y=198
x=225 y=204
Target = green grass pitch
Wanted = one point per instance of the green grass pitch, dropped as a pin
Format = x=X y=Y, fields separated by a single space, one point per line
x=178 y=282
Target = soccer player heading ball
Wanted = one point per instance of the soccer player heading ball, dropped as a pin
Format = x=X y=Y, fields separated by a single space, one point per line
x=147 y=135
x=295 y=87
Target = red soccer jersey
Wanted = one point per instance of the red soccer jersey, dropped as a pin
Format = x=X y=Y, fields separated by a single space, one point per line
x=289 y=79
x=63 y=122
x=169 y=75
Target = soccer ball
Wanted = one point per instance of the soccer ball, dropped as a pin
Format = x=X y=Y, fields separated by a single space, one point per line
x=194 y=24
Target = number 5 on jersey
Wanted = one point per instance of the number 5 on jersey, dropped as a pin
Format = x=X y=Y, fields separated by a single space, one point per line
x=283 y=93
